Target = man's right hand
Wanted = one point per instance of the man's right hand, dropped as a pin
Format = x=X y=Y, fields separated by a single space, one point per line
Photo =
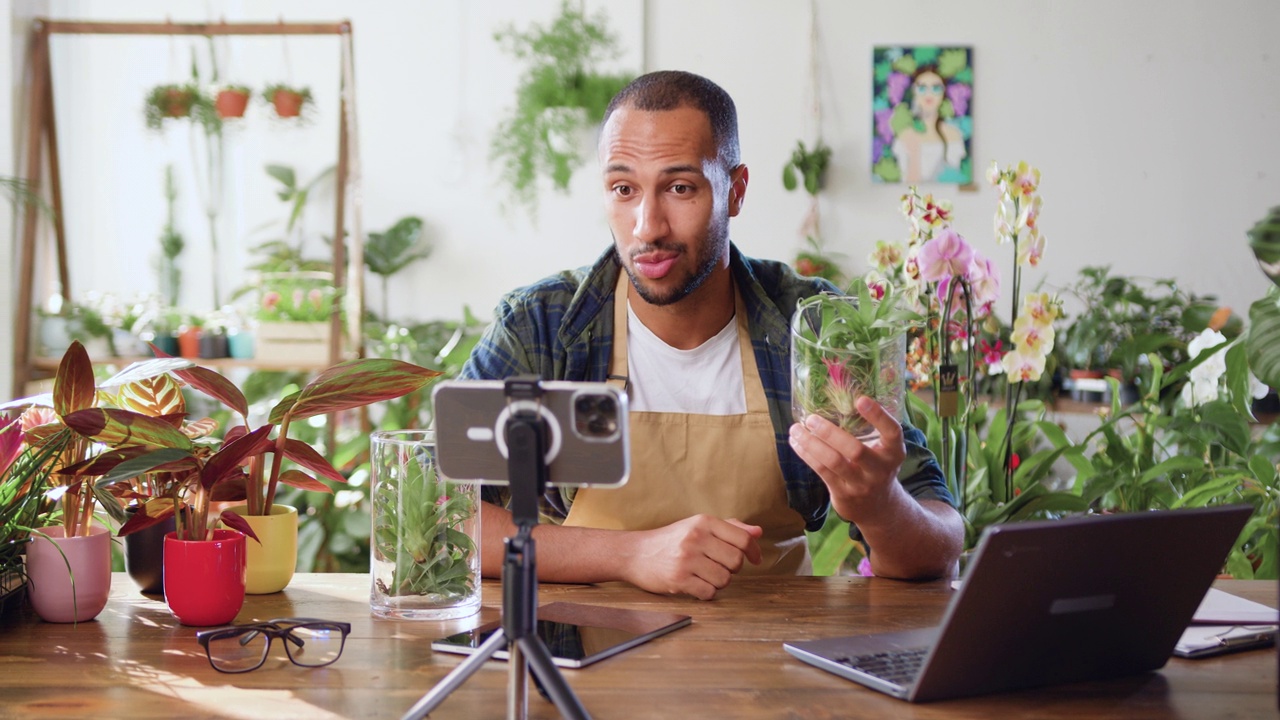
x=696 y=556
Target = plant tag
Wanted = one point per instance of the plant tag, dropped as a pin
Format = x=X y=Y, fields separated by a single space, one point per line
x=948 y=391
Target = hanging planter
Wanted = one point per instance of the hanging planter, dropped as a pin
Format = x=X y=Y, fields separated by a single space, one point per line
x=287 y=100
x=232 y=101
x=169 y=102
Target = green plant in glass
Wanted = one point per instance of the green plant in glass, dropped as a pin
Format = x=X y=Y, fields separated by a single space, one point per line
x=418 y=527
x=560 y=93
x=846 y=347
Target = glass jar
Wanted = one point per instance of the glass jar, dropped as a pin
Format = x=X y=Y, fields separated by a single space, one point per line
x=425 y=542
x=832 y=364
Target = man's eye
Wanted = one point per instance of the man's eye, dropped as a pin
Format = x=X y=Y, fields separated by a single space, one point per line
x=681 y=189
x=622 y=190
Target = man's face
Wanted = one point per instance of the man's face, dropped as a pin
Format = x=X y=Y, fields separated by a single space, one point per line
x=668 y=200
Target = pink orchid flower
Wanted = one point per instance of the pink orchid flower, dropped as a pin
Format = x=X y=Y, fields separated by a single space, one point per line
x=991 y=354
x=945 y=255
x=984 y=280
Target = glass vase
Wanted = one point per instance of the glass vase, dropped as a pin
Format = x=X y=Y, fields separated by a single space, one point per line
x=831 y=367
x=426 y=532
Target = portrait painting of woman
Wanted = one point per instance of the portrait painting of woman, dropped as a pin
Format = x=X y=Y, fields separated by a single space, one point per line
x=922 y=112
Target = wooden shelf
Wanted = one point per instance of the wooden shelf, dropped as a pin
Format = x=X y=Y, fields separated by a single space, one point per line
x=41 y=157
x=50 y=364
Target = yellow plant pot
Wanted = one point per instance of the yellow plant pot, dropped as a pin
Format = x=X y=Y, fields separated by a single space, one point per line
x=272 y=561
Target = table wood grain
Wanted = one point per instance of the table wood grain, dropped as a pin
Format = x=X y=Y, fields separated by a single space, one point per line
x=135 y=661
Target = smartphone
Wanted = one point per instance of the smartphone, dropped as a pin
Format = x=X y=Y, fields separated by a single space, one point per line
x=576 y=635
x=587 y=439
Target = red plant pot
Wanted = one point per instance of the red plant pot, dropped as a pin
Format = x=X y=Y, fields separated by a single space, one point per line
x=288 y=104
x=204 y=579
x=231 y=103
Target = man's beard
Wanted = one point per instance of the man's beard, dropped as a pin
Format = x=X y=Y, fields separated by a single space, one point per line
x=710 y=253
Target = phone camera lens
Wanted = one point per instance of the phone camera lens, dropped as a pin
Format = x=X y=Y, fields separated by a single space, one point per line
x=597 y=415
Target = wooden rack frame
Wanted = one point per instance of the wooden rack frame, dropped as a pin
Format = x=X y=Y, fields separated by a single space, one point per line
x=42 y=133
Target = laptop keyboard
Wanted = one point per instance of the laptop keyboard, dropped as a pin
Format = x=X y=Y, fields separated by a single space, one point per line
x=899 y=667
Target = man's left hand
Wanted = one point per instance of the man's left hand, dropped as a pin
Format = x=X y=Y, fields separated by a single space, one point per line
x=862 y=476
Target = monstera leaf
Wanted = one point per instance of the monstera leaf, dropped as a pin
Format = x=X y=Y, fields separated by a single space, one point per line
x=1264 y=315
x=1264 y=240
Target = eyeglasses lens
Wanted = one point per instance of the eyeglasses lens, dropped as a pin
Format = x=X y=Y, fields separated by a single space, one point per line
x=315 y=644
x=238 y=650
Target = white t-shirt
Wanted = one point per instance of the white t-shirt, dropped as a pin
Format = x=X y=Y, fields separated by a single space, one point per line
x=706 y=380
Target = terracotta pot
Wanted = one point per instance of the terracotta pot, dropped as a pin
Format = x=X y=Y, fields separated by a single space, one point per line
x=189 y=343
x=144 y=555
x=287 y=103
x=231 y=103
x=70 y=578
x=204 y=579
x=177 y=103
x=270 y=562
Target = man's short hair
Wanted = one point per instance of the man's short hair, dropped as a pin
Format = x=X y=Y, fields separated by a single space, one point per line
x=671 y=89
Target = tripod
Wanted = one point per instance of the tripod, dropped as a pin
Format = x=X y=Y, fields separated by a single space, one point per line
x=527 y=474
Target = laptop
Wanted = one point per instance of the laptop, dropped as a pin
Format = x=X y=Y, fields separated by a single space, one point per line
x=1049 y=602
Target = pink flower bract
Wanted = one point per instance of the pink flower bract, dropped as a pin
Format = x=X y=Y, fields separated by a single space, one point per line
x=945 y=255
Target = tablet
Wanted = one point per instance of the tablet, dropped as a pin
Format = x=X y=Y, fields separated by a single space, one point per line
x=577 y=635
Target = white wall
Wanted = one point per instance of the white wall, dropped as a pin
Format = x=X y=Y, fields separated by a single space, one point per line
x=1153 y=122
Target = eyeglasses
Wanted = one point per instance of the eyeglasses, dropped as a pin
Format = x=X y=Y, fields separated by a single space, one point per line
x=307 y=641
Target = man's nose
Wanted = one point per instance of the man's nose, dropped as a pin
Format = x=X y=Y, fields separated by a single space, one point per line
x=651 y=220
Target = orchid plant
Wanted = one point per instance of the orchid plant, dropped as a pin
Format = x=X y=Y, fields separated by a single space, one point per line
x=956 y=289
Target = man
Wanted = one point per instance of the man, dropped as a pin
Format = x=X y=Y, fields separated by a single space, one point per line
x=721 y=481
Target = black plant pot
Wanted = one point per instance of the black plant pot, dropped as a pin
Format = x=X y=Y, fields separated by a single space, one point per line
x=144 y=555
x=13 y=594
x=213 y=345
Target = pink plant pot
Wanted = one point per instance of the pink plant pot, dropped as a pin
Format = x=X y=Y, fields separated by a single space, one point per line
x=70 y=577
x=204 y=579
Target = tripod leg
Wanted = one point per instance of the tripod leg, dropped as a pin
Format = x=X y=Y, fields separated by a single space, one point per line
x=517 y=684
x=540 y=662
x=456 y=677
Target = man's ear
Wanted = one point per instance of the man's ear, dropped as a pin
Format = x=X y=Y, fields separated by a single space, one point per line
x=737 y=189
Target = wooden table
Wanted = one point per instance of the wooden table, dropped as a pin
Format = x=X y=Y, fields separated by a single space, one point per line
x=135 y=661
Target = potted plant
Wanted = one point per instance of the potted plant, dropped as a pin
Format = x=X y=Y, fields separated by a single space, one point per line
x=24 y=472
x=236 y=467
x=69 y=562
x=231 y=101
x=293 y=314
x=287 y=100
x=169 y=102
x=387 y=253
x=561 y=93
x=806 y=166
x=1124 y=319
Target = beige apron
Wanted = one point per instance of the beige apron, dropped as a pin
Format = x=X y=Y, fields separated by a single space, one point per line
x=685 y=464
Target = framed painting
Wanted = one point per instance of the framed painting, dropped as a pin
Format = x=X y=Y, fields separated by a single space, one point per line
x=922 y=114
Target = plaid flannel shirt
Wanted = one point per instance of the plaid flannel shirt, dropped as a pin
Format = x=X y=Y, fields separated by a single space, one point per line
x=561 y=328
